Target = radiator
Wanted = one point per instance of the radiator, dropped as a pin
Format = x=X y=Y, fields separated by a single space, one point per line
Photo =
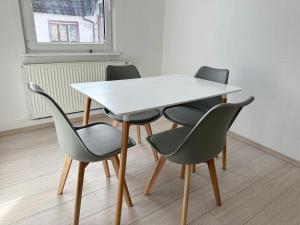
x=56 y=78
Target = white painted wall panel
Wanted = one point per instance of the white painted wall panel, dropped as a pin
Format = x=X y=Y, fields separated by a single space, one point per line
x=258 y=41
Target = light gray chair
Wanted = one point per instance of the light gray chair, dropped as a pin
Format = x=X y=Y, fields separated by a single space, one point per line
x=92 y=143
x=138 y=119
x=189 y=114
x=193 y=145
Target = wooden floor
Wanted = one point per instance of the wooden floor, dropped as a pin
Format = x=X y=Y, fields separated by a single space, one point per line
x=257 y=189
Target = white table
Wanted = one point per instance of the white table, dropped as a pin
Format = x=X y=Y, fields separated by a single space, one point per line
x=125 y=97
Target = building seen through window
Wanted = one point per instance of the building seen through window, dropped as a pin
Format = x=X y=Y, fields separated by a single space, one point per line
x=69 y=21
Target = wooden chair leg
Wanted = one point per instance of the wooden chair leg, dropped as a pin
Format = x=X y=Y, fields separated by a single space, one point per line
x=214 y=180
x=138 y=132
x=64 y=174
x=106 y=168
x=182 y=171
x=116 y=164
x=187 y=181
x=149 y=133
x=115 y=123
x=80 y=178
x=174 y=126
x=194 y=168
x=224 y=157
x=154 y=175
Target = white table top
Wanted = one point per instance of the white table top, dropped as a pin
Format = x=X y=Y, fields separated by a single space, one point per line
x=124 y=97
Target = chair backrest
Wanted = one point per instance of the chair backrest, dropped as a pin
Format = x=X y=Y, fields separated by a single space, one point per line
x=211 y=74
x=208 y=137
x=67 y=136
x=121 y=72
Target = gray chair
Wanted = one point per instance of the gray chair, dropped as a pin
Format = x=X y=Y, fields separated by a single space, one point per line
x=193 y=145
x=189 y=114
x=138 y=119
x=92 y=143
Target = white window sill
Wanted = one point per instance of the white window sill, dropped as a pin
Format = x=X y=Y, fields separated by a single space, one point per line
x=70 y=54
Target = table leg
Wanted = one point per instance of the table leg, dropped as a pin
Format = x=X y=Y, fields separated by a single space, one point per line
x=86 y=114
x=86 y=117
x=121 y=182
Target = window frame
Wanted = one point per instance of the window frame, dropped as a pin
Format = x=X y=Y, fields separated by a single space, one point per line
x=32 y=46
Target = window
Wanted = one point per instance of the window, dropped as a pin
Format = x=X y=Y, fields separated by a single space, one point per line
x=67 y=25
x=63 y=32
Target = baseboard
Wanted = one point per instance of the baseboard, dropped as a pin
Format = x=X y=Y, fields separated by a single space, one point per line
x=265 y=149
x=29 y=125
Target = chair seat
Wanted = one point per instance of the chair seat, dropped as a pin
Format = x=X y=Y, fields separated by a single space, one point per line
x=137 y=118
x=102 y=139
x=168 y=141
x=184 y=115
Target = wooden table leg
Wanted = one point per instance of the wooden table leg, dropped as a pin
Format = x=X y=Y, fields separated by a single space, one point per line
x=87 y=108
x=121 y=182
x=86 y=117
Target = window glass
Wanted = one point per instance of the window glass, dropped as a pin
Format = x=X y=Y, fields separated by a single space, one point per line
x=53 y=33
x=82 y=20
x=73 y=33
x=63 y=32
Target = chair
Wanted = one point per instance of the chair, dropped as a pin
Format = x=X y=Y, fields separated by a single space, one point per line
x=138 y=119
x=189 y=114
x=193 y=145
x=92 y=143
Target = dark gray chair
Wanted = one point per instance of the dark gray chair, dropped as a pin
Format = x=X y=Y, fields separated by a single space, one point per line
x=143 y=118
x=189 y=114
x=193 y=145
x=92 y=143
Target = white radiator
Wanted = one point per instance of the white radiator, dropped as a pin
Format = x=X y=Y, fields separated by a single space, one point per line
x=56 y=78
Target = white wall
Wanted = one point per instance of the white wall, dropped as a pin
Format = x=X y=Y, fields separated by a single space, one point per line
x=138 y=25
x=258 y=41
x=139 y=31
x=11 y=86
